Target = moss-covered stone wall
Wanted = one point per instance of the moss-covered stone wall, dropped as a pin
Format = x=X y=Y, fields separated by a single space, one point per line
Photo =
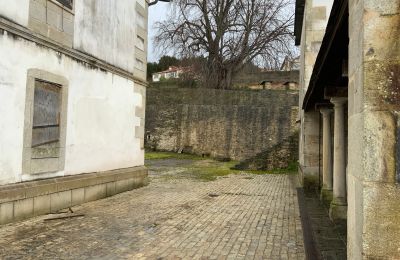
x=236 y=124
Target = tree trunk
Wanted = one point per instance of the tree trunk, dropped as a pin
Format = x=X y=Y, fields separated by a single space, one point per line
x=218 y=77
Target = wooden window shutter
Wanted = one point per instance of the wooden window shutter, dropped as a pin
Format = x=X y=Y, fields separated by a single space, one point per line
x=46 y=113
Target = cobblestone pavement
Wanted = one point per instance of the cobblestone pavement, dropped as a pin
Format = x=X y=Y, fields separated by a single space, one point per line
x=241 y=216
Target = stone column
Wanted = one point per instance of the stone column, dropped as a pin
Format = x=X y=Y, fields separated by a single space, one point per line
x=338 y=208
x=327 y=179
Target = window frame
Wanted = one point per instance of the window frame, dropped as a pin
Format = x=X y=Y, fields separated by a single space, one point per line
x=44 y=164
x=66 y=3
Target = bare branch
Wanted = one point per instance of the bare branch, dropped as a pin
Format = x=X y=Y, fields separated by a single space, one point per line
x=228 y=33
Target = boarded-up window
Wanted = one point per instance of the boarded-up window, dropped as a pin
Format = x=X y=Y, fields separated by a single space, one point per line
x=46 y=113
x=67 y=3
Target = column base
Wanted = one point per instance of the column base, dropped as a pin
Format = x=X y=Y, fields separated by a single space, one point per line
x=326 y=196
x=338 y=210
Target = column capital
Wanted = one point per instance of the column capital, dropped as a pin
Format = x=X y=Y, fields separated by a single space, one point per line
x=338 y=101
x=325 y=111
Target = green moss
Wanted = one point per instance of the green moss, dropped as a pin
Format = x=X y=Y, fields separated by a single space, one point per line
x=170 y=155
x=291 y=169
x=206 y=169
x=326 y=196
x=310 y=183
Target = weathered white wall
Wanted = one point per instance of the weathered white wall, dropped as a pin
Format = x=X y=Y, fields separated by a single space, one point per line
x=105 y=29
x=101 y=112
x=15 y=10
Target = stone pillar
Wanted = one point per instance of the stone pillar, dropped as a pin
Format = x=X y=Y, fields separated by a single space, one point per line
x=338 y=209
x=327 y=179
x=374 y=130
x=309 y=150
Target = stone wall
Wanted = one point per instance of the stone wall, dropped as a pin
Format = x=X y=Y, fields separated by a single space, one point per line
x=221 y=123
x=254 y=79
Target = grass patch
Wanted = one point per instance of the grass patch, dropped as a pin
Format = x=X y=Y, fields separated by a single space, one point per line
x=211 y=170
x=206 y=169
x=170 y=155
x=291 y=169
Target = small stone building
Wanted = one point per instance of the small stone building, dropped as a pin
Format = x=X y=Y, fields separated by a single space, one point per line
x=350 y=124
x=72 y=95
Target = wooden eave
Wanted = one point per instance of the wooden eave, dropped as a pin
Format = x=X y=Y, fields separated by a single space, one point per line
x=298 y=20
x=333 y=52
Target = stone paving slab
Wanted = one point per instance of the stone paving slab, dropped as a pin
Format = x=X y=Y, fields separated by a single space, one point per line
x=240 y=216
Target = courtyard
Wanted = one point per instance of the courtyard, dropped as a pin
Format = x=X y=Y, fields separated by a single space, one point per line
x=193 y=208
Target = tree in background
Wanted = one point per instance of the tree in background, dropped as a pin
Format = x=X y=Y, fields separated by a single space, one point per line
x=229 y=34
x=152 y=67
x=167 y=61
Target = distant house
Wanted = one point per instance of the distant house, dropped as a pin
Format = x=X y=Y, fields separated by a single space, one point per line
x=172 y=72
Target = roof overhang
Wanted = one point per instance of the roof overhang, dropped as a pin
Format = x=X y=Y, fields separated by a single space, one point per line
x=330 y=68
x=298 y=20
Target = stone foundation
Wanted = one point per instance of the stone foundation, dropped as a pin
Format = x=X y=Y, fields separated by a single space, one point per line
x=24 y=200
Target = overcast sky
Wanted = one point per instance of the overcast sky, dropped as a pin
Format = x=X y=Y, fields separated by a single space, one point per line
x=157 y=13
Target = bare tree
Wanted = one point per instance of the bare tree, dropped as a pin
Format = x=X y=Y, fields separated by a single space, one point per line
x=229 y=34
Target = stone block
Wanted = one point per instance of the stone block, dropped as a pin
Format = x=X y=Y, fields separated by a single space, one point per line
x=381 y=222
x=123 y=185
x=54 y=15
x=384 y=8
x=23 y=209
x=380 y=37
x=38 y=26
x=68 y=25
x=6 y=212
x=37 y=10
x=139 y=132
x=41 y=205
x=44 y=165
x=111 y=189
x=60 y=200
x=318 y=13
x=356 y=93
x=95 y=192
x=381 y=86
x=68 y=15
x=140 y=112
x=354 y=217
x=78 y=196
x=11 y=194
x=75 y=183
x=379 y=147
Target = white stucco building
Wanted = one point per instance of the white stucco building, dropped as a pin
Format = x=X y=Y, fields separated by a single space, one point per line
x=171 y=73
x=72 y=95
